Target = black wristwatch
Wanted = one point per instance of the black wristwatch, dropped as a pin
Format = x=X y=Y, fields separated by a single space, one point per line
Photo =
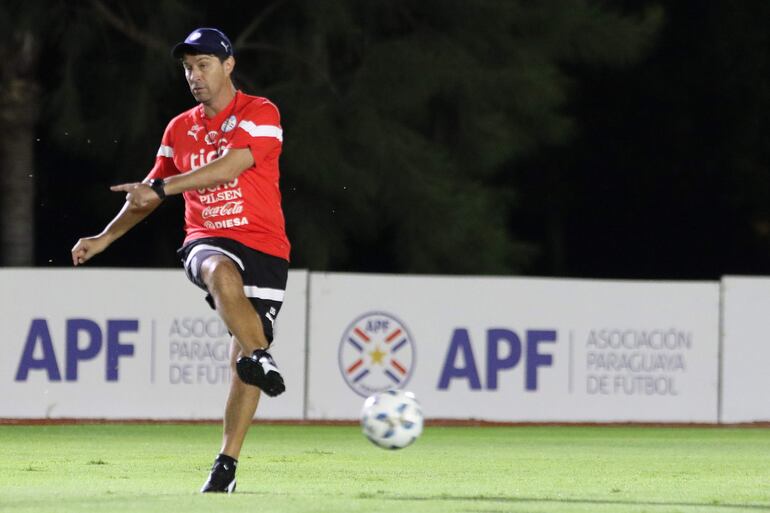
x=157 y=184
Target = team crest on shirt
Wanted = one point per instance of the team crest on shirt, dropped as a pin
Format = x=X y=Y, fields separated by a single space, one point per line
x=229 y=124
x=193 y=131
x=376 y=353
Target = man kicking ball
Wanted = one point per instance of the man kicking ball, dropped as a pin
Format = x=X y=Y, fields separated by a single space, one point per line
x=222 y=156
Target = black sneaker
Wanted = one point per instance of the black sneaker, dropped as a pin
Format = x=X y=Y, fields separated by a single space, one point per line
x=221 y=479
x=260 y=370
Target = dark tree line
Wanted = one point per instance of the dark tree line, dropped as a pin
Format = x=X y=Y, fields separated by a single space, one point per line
x=558 y=137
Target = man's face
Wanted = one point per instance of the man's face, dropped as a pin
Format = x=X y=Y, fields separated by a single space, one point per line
x=206 y=75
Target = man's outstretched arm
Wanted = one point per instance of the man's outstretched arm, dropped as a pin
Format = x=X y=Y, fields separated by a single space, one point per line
x=128 y=217
x=221 y=170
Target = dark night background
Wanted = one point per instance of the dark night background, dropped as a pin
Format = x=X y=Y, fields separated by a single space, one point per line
x=571 y=138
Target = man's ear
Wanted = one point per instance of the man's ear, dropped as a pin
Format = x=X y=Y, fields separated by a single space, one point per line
x=229 y=64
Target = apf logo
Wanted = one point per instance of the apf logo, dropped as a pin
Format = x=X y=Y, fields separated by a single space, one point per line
x=39 y=353
x=376 y=353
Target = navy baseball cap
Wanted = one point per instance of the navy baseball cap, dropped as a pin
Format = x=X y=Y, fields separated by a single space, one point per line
x=204 y=40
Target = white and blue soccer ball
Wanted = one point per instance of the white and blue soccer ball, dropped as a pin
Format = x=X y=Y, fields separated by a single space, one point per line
x=392 y=419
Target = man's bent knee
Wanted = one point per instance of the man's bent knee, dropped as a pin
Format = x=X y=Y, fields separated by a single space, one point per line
x=221 y=275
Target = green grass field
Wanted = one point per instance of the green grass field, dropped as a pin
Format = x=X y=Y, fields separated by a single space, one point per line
x=287 y=469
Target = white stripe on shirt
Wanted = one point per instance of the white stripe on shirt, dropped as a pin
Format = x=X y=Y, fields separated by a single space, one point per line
x=165 y=151
x=261 y=130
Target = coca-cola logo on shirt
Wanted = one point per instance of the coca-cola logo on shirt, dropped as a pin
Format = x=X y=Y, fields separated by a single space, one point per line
x=225 y=209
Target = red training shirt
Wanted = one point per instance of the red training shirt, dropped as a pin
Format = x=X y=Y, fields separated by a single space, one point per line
x=248 y=209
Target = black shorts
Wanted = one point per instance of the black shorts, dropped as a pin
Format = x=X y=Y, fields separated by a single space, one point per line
x=264 y=276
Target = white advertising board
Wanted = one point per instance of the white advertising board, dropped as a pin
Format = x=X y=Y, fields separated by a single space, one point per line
x=745 y=349
x=509 y=349
x=108 y=343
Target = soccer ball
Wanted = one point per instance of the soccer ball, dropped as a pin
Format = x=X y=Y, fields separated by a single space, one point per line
x=391 y=419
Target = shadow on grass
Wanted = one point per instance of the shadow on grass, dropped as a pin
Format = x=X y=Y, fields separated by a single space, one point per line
x=546 y=500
